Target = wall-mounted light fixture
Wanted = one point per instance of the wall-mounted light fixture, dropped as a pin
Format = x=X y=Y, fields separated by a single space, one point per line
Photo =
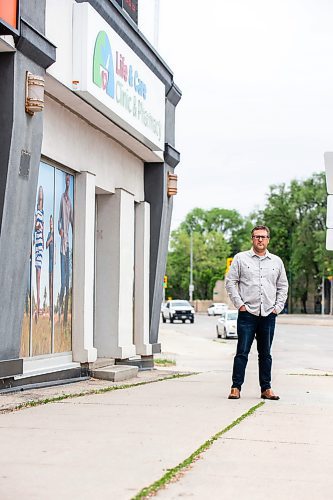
x=34 y=93
x=172 y=184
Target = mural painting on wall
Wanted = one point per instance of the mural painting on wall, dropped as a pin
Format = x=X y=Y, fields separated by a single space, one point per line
x=47 y=322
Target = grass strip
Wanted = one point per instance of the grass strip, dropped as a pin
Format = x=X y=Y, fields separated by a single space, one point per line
x=56 y=399
x=171 y=474
x=164 y=362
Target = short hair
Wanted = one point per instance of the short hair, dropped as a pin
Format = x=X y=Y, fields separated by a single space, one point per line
x=265 y=228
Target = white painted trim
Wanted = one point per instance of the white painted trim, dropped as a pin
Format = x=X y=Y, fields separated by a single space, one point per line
x=39 y=365
x=83 y=269
x=115 y=275
x=141 y=282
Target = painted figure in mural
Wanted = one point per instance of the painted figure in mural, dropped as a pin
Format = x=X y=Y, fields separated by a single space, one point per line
x=257 y=286
x=39 y=245
x=50 y=246
x=65 y=219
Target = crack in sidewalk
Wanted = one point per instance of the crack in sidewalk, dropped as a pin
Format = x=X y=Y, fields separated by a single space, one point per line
x=175 y=473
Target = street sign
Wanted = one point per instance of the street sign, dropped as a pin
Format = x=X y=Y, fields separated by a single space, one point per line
x=229 y=262
x=329 y=239
x=191 y=288
x=328 y=158
x=165 y=282
x=329 y=214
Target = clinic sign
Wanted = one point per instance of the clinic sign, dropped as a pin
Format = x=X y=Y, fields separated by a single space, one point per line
x=111 y=77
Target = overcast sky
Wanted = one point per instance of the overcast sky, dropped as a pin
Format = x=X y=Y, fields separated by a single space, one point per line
x=257 y=105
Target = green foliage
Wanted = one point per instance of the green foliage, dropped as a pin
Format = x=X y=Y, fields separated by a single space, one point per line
x=164 y=362
x=210 y=252
x=295 y=214
x=230 y=223
x=217 y=234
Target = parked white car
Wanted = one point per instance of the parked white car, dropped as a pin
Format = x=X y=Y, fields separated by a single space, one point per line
x=177 y=309
x=217 y=309
x=226 y=326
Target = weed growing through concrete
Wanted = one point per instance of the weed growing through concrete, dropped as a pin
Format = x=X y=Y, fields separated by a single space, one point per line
x=56 y=399
x=172 y=474
x=164 y=362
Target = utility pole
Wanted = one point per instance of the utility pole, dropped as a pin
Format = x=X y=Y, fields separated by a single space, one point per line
x=323 y=295
x=191 y=287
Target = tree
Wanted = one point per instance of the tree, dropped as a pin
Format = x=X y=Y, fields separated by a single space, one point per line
x=235 y=228
x=210 y=251
x=296 y=216
x=217 y=233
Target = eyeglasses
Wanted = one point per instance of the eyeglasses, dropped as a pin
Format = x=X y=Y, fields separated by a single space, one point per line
x=259 y=237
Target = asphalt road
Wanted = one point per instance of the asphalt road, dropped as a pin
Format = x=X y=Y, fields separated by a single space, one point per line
x=296 y=347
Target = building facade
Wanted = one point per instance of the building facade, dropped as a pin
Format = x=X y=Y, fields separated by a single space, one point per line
x=85 y=207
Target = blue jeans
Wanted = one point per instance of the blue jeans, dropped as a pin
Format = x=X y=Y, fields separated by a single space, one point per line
x=250 y=326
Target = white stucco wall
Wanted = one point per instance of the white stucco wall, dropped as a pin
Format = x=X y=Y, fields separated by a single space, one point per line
x=74 y=143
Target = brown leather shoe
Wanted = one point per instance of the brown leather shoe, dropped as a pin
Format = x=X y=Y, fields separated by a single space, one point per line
x=269 y=394
x=234 y=393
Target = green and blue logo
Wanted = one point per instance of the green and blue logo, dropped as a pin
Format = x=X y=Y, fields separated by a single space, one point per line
x=103 y=69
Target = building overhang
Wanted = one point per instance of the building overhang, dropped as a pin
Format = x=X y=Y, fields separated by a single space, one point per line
x=74 y=103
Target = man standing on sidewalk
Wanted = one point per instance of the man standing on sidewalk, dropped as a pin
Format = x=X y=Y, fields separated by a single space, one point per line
x=257 y=286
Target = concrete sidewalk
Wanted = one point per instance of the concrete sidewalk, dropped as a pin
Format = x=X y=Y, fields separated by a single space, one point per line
x=284 y=450
x=114 y=444
x=306 y=319
x=110 y=445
